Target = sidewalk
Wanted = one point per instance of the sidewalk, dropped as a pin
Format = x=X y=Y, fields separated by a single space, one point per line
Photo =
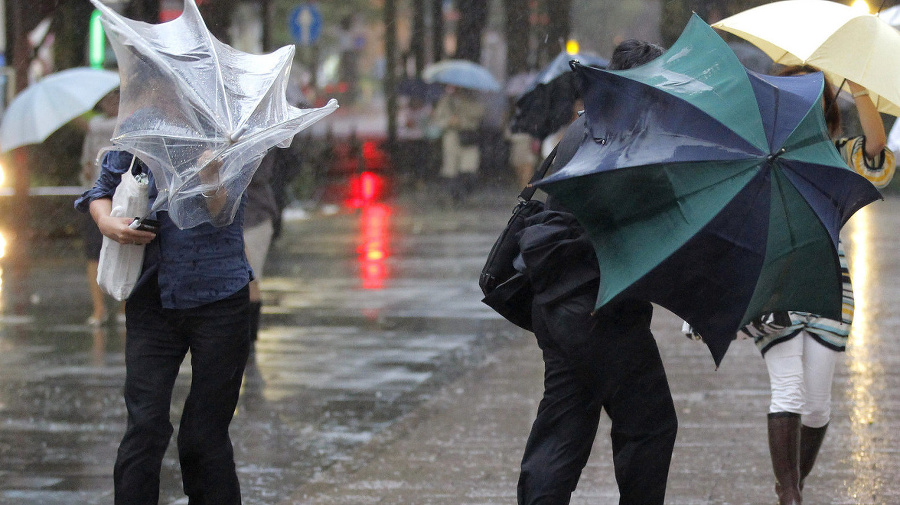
x=463 y=446
x=380 y=378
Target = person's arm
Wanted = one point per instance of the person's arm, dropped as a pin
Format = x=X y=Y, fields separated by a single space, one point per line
x=869 y=119
x=116 y=228
x=214 y=194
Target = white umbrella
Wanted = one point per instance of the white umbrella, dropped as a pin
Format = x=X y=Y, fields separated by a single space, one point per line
x=891 y=16
x=842 y=41
x=46 y=105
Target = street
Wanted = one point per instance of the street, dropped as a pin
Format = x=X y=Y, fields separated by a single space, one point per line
x=380 y=378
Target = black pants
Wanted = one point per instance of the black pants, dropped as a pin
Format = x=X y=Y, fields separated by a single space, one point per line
x=594 y=362
x=157 y=340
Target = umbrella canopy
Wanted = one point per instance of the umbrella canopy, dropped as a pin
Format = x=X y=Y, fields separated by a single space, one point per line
x=198 y=112
x=463 y=74
x=560 y=66
x=842 y=41
x=891 y=16
x=710 y=189
x=545 y=104
x=46 y=105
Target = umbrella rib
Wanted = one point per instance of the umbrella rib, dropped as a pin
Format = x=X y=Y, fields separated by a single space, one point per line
x=139 y=41
x=220 y=79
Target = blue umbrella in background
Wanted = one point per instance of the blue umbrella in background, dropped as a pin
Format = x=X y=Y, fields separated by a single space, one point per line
x=546 y=104
x=560 y=66
x=463 y=74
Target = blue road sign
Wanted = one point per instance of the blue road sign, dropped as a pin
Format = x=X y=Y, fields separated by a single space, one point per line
x=305 y=24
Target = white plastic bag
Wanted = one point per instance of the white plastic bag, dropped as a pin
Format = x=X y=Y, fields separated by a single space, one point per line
x=120 y=265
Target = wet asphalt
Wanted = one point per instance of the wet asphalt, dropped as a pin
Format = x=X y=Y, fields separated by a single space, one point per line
x=380 y=378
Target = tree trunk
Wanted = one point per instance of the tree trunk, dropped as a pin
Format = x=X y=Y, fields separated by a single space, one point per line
x=417 y=39
x=518 y=30
x=390 y=71
x=266 y=13
x=437 y=30
x=143 y=10
x=473 y=16
x=217 y=15
x=559 y=26
x=69 y=24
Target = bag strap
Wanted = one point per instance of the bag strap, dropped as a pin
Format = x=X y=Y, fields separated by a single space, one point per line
x=529 y=190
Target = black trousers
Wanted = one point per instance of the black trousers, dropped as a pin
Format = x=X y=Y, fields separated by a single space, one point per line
x=608 y=361
x=157 y=340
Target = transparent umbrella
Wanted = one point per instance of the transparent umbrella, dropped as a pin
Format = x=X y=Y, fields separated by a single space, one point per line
x=198 y=112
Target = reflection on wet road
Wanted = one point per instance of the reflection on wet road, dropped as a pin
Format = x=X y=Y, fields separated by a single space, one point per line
x=868 y=238
x=364 y=315
x=345 y=351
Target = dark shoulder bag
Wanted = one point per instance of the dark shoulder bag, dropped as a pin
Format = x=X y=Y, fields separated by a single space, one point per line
x=506 y=290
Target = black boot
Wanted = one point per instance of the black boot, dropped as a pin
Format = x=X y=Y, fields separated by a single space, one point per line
x=810 y=443
x=784 y=446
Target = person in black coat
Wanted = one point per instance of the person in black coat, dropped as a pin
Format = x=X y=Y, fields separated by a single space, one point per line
x=594 y=360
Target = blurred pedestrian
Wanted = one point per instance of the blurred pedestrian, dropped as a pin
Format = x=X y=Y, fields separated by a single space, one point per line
x=551 y=140
x=100 y=129
x=801 y=349
x=260 y=218
x=594 y=359
x=414 y=117
x=522 y=152
x=458 y=114
x=192 y=295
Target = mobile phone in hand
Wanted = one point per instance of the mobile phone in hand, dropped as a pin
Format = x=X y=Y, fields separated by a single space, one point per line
x=150 y=225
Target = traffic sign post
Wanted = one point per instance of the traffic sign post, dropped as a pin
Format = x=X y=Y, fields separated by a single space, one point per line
x=305 y=24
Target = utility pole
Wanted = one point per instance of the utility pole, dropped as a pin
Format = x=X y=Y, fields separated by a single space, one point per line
x=266 y=13
x=390 y=69
x=417 y=39
x=19 y=22
x=437 y=30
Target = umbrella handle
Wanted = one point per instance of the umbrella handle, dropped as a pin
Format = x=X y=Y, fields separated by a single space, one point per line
x=234 y=137
x=161 y=199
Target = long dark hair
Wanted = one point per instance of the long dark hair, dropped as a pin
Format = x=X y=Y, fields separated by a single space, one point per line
x=832 y=111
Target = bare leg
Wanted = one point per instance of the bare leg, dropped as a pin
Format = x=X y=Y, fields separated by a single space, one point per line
x=97 y=298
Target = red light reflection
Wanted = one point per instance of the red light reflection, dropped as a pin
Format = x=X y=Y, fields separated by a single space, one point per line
x=365 y=189
x=374 y=247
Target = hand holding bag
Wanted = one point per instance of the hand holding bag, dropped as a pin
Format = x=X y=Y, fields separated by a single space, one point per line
x=120 y=264
x=507 y=291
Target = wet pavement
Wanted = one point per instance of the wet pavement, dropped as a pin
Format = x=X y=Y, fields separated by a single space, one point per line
x=380 y=378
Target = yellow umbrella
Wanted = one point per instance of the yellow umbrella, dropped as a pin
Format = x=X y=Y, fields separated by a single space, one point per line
x=845 y=42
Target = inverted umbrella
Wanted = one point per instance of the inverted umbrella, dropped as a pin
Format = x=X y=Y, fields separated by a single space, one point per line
x=843 y=41
x=51 y=102
x=710 y=189
x=545 y=105
x=198 y=112
x=463 y=74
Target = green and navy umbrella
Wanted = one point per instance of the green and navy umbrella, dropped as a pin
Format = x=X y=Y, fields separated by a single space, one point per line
x=711 y=190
